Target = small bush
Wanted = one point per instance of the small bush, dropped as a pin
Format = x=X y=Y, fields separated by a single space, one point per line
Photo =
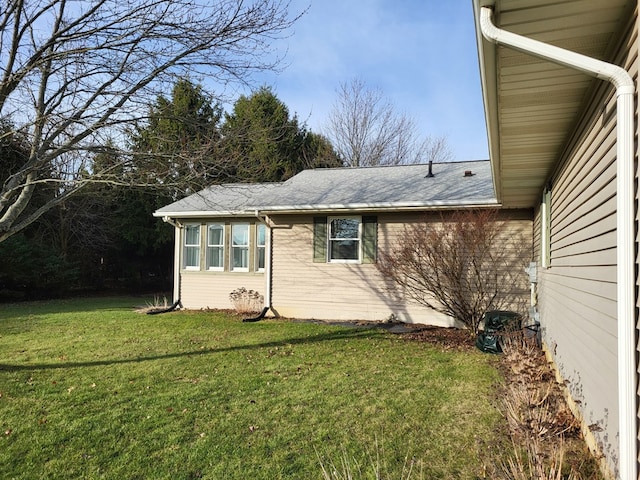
x=246 y=301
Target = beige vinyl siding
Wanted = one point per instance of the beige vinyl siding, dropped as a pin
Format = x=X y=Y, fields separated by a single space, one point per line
x=577 y=293
x=332 y=291
x=211 y=289
x=335 y=291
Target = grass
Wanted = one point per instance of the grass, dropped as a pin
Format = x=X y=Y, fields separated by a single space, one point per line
x=91 y=389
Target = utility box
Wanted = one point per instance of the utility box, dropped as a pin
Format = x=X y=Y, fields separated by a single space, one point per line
x=496 y=323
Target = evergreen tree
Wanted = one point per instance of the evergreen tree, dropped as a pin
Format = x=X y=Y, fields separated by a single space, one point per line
x=262 y=143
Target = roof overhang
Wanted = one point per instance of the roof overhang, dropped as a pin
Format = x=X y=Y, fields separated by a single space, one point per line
x=327 y=209
x=531 y=105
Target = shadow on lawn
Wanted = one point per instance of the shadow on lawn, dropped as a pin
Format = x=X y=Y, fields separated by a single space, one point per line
x=340 y=335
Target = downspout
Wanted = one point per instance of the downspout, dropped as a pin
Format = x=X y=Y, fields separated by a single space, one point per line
x=176 y=257
x=624 y=217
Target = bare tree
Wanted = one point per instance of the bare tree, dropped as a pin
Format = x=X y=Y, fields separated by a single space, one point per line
x=463 y=265
x=365 y=129
x=75 y=73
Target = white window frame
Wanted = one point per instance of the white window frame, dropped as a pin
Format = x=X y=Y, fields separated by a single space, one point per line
x=187 y=246
x=545 y=229
x=260 y=247
x=233 y=247
x=211 y=246
x=331 y=239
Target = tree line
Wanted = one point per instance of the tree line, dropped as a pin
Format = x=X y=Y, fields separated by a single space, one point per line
x=104 y=236
x=100 y=125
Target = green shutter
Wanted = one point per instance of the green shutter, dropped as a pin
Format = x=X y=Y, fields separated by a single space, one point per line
x=369 y=239
x=320 y=239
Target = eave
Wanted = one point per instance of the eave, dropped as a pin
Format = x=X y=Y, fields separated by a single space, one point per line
x=531 y=105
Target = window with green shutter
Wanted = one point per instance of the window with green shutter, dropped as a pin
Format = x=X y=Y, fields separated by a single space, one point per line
x=348 y=239
x=369 y=239
x=319 y=239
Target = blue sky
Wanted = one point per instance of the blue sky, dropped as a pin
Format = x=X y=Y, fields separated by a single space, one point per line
x=421 y=53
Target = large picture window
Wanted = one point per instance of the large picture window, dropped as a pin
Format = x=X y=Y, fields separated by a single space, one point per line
x=240 y=247
x=344 y=239
x=192 y=247
x=215 y=247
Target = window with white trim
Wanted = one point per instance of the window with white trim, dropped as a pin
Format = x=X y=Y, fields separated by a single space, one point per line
x=215 y=246
x=240 y=247
x=352 y=239
x=192 y=247
x=344 y=239
x=261 y=244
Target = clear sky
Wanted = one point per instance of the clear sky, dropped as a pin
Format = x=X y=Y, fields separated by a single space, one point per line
x=421 y=53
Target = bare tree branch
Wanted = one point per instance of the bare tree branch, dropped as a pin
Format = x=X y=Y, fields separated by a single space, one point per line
x=76 y=73
x=366 y=130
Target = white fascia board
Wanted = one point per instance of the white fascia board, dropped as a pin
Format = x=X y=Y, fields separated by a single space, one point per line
x=204 y=213
x=334 y=207
x=377 y=206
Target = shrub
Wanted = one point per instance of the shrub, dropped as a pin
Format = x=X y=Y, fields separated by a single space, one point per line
x=464 y=265
x=246 y=301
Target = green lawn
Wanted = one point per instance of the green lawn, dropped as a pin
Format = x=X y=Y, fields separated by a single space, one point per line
x=91 y=389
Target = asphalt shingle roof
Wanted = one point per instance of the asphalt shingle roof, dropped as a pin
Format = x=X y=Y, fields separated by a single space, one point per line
x=387 y=187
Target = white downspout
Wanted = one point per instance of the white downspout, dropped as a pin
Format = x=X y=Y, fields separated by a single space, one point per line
x=267 y=257
x=176 y=256
x=625 y=219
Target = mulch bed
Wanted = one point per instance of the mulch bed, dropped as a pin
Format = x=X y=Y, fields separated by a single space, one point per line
x=444 y=338
x=526 y=366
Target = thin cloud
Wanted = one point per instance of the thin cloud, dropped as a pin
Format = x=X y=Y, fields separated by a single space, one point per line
x=421 y=54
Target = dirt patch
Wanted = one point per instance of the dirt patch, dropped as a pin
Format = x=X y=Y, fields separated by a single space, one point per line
x=443 y=338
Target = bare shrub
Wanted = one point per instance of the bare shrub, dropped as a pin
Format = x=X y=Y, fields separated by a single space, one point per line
x=157 y=304
x=541 y=426
x=348 y=468
x=246 y=301
x=463 y=266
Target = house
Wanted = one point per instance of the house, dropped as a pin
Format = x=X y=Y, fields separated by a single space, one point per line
x=559 y=80
x=309 y=244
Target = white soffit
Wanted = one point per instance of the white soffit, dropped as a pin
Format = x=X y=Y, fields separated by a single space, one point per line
x=532 y=105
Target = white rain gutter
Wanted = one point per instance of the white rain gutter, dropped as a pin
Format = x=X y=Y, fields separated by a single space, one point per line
x=625 y=90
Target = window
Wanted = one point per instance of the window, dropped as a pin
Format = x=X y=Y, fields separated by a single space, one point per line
x=240 y=247
x=261 y=243
x=215 y=247
x=192 y=247
x=545 y=229
x=344 y=239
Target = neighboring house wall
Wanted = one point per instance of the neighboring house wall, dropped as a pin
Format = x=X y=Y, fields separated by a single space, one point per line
x=303 y=288
x=577 y=292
